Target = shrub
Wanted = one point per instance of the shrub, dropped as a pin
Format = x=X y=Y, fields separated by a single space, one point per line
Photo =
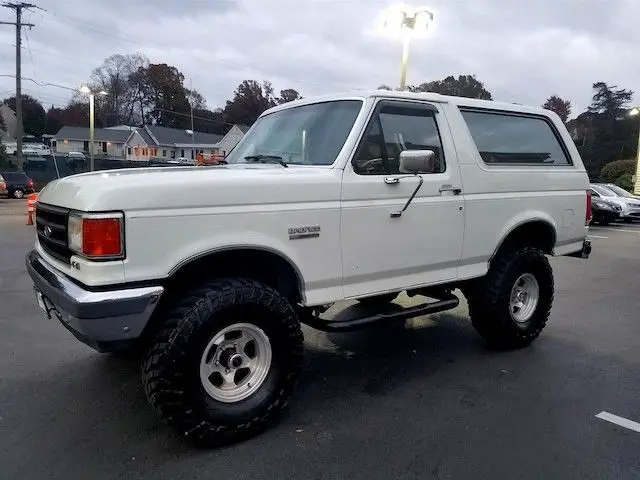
x=611 y=172
x=625 y=181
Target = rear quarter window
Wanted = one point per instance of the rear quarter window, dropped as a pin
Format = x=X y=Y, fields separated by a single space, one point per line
x=512 y=139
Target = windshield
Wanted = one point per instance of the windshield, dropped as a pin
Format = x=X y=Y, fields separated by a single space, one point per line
x=620 y=191
x=604 y=191
x=306 y=135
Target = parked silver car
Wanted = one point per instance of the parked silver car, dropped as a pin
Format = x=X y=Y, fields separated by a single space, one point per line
x=621 y=191
x=630 y=205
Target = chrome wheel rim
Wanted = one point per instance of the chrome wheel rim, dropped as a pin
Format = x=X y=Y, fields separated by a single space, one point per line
x=235 y=362
x=524 y=298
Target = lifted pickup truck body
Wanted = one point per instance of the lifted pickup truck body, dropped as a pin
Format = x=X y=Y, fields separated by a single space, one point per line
x=314 y=205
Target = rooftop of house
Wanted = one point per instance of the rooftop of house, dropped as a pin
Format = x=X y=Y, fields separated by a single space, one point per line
x=151 y=134
x=146 y=137
x=100 y=134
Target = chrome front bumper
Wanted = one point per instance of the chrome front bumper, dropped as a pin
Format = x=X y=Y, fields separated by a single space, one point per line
x=104 y=320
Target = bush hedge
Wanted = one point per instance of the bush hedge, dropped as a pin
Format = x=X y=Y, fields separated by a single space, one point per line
x=615 y=170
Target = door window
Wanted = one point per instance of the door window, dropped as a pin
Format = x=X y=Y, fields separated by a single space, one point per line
x=393 y=128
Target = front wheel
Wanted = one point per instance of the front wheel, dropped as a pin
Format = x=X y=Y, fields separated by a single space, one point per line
x=18 y=193
x=511 y=306
x=225 y=362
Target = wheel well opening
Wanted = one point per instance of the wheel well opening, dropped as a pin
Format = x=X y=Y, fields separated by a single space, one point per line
x=537 y=233
x=260 y=265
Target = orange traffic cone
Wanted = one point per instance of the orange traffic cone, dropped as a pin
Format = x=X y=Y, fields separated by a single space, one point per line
x=31 y=207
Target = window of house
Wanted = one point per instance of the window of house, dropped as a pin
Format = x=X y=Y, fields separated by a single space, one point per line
x=128 y=150
x=512 y=139
x=104 y=147
x=395 y=127
x=164 y=153
x=173 y=154
x=85 y=145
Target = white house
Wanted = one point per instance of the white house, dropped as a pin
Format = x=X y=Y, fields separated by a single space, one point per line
x=140 y=144
x=107 y=141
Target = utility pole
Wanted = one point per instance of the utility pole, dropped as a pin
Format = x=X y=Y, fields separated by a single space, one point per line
x=18 y=7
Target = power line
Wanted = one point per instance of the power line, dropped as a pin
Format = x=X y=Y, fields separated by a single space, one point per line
x=41 y=84
x=33 y=65
x=194 y=116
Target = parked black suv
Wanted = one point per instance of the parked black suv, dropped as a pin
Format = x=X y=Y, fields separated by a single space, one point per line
x=18 y=184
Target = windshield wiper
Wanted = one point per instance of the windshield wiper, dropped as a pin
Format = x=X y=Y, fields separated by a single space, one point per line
x=266 y=158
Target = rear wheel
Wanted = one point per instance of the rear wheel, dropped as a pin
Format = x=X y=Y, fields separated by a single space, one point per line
x=225 y=362
x=18 y=193
x=511 y=306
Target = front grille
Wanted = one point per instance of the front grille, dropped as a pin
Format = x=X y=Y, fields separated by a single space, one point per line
x=51 y=225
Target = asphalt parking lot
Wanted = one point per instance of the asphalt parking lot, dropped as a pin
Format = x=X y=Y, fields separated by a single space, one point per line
x=422 y=400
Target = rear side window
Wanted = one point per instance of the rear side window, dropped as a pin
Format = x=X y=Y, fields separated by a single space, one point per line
x=511 y=139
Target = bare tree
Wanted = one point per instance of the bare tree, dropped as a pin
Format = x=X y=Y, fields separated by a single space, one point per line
x=114 y=77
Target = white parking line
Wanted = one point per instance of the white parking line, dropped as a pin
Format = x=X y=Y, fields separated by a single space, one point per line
x=623 y=422
x=596 y=236
x=619 y=230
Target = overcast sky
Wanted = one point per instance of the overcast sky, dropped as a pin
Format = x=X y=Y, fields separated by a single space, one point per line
x=523 y=50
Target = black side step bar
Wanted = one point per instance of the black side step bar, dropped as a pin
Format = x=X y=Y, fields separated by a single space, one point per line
x=448 y=302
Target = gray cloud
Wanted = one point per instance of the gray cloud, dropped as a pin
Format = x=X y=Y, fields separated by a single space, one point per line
x=524 y=51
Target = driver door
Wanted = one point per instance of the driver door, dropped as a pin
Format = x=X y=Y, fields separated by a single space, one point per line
x=423 y=245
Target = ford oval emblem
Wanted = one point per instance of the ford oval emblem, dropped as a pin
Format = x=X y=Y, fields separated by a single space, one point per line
x=47 y=231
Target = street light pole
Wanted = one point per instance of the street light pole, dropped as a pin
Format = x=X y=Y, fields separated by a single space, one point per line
x=91 y=130
x=636 y=184
x=92 y=100
x=406 y=41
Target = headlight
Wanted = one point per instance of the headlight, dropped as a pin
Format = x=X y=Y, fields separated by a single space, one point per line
x=97 y=235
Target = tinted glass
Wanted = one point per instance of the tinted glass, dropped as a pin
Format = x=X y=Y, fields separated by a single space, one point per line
x=307 y=135
x=514 y=140
x=411 y=127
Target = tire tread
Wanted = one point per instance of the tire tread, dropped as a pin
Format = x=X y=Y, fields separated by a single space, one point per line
x=164 y=383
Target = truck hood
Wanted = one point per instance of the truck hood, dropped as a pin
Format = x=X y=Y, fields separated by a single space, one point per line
x=158 y=188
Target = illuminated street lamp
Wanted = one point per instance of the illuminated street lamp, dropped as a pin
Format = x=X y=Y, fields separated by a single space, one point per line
x=406 y=22
x=636 y=184
x=86 y=90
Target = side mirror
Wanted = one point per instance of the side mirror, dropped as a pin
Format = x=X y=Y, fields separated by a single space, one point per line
x=417 y=161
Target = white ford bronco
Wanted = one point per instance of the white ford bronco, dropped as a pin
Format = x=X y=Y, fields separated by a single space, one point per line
x=343 y=197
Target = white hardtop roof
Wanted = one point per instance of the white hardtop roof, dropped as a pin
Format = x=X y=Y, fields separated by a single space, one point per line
x=424 y=96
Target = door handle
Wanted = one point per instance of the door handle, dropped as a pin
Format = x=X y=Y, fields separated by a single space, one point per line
x=396 y=179
x=450 y=188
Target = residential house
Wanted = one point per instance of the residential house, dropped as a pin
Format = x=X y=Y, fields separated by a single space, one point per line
x=107 y=141
x=140 y=144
